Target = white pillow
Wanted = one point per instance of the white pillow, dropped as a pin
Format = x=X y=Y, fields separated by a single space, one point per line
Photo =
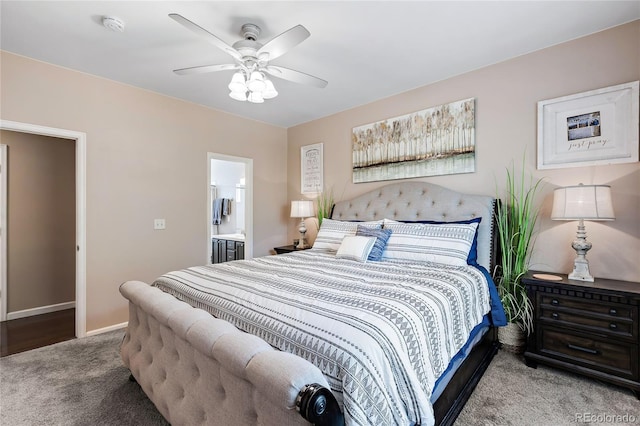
x=356 y=248
x=332 y=232
x=448 y=243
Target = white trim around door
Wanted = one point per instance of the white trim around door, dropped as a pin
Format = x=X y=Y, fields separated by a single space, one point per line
x=81 y=219
x=248 y=205
x=3 y=232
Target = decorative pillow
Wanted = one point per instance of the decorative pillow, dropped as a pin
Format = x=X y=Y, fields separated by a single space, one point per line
x=382 y=236
x=332 y=232
x=356 y=247
x=448 y=243
x=473 y=253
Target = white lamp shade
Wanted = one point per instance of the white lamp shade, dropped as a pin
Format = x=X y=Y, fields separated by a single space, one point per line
x=270 y=91
x=588 y=202
x=302 y=208
x=238 y=96
x=237 y=83
x=256 y=82
x=255 y=97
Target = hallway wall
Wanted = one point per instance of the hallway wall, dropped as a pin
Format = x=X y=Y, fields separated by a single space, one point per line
x=41 y=220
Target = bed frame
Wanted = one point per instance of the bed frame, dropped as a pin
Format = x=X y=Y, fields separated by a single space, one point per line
x=198 y=369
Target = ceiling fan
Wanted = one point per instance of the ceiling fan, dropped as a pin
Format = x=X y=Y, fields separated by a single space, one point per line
x=252 y=58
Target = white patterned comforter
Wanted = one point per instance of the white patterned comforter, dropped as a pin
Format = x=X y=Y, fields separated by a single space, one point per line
x=382 y=332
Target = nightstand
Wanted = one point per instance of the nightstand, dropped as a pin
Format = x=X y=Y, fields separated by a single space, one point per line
x=288 y=249
x=587 y=328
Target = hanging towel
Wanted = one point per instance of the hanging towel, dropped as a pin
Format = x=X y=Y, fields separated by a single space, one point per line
x=216 y=211
x=226 y=207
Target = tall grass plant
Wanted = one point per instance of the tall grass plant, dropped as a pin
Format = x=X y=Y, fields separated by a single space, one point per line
x=516 y=218
x=325 y=203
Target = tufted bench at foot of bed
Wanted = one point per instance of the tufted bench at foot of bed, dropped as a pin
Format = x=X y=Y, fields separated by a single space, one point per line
x=200 y=370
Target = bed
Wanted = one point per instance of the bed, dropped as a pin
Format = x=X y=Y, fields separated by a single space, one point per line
x=296 y=338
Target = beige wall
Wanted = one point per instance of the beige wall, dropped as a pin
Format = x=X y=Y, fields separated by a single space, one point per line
x=506 y=115
x=146 y=159
x=41 y=220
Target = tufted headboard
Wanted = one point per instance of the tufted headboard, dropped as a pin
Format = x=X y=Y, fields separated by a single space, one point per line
x=414 y=201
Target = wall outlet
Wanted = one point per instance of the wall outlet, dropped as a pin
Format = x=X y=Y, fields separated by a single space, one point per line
x=158 y=224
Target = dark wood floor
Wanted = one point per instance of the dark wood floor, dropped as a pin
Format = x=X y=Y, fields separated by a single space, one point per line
x=23 y=334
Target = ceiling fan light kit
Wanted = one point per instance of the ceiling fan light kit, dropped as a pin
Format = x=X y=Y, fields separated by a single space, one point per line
x=255 y=90
x=252 y=58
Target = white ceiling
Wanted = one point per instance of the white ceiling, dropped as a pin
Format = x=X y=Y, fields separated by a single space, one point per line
x=367 y=50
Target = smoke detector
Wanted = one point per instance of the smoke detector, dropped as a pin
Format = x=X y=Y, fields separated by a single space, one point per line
x=113 y=23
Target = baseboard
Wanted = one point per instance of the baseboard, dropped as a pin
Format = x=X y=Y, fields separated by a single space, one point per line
x=107 y=329
x=40 y=310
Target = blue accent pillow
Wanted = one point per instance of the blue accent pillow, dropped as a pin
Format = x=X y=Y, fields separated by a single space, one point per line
x=473 y=253
x=382 y=236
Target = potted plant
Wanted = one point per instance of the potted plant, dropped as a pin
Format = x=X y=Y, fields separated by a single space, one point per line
x=516 y=218
x=325 y=204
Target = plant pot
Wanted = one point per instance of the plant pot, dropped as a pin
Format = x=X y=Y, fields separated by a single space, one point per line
x=512 y=338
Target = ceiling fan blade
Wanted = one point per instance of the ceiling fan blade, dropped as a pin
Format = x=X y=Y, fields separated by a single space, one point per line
x=295 y=76
x=205 y=34
x=206 y=68
x=280 y=44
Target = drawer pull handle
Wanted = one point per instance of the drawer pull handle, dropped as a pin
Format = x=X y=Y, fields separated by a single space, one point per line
x=555 y=302
x=581 y=349
x=613 y=312
x=613 y=326
x=555 y=315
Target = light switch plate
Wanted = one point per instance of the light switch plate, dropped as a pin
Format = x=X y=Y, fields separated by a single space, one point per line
x=158 y=224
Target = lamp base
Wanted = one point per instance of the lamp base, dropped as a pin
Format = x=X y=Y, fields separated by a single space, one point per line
x=581 y=271
x=581 y=264
x=303 y=230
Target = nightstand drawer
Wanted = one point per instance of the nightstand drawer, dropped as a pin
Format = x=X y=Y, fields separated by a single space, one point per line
x=610 y=319
x=619 y=327
x=614 y=310
x=607 y=356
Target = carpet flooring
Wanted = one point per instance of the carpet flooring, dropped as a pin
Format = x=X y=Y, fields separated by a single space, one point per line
x=83 y=382
x=510 y=394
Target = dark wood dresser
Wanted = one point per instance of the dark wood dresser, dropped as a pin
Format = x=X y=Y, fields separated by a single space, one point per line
x=223 y=250
x=587 y=328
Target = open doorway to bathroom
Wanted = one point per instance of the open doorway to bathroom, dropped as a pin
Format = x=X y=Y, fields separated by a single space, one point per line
x=229 y=208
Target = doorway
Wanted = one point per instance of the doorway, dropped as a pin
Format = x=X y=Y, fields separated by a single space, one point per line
x=80 y=221
x=229 y=180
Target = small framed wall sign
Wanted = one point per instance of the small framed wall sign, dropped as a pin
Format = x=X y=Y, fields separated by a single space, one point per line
x=590 y=128
x=311 y=169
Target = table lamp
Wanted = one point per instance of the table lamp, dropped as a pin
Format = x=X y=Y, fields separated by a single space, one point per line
x=582 y=202
x=302 y=209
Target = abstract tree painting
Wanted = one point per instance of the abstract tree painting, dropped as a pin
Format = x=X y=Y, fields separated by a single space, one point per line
x=435 y=141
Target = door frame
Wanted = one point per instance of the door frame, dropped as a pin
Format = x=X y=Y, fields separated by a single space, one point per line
x=81 y=211
x=248 y=207
x=3 y=232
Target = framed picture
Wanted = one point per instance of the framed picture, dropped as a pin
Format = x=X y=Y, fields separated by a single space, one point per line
x=311 y=169
x=436 y=141
x=590 y=128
